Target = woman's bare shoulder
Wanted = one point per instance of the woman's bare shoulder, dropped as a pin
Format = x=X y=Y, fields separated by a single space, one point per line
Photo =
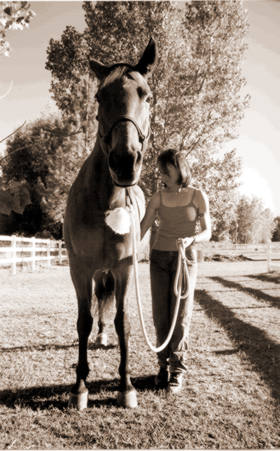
x=154 y=201
x=200 y=199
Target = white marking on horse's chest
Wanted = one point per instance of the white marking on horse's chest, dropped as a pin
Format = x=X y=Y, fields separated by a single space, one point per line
x=118 y=220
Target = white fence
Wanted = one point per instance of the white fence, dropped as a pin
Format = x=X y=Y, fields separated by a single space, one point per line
x=273 y=258
x=31 y=250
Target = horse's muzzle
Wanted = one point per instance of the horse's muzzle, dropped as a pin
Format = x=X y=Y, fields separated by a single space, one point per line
x=125 y=167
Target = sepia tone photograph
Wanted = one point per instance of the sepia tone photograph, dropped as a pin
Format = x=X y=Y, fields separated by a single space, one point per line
x=140 y=224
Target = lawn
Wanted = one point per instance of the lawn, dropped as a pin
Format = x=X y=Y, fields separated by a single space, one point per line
x=230 y=398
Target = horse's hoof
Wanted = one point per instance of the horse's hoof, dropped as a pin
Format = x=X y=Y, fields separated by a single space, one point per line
x=78 y=400
x=101 y=340
x=127 y=399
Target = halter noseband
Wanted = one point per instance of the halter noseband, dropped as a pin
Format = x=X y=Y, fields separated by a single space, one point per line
x=106 y=138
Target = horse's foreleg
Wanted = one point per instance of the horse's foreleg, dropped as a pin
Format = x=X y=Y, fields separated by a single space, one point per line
x=83 y=286
x=127 y=393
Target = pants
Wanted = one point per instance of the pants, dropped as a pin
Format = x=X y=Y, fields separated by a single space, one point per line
x=163 y=265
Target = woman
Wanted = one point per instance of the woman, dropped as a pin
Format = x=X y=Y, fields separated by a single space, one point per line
x=179 y=206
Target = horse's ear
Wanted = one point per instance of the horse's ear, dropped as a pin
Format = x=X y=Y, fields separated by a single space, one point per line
x=100 y=70
x=148 y=61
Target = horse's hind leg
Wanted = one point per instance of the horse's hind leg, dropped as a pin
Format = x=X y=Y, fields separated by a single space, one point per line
x=83 y=286
x=127 y=393
x=104 y=292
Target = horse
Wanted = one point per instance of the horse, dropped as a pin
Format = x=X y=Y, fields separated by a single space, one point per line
x=107 y=183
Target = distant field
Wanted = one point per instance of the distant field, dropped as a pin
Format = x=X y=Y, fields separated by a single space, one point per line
x=257 y=252
x=231 y=395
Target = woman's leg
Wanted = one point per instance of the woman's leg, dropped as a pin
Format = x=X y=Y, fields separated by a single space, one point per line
x=160 y=287
x=179 y=343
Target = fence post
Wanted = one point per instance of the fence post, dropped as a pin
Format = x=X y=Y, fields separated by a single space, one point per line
x=14 y=254
x=60 y=251
x=33 y=253
x=268 y=255
x=49 y=253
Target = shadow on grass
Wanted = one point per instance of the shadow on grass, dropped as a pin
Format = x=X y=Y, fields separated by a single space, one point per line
x=258 y=294
x=56 y=396
x=54 y=347
x=269 y=277
x=259 y=349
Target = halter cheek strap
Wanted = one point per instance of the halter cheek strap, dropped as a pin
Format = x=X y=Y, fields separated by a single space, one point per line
x=106 y=138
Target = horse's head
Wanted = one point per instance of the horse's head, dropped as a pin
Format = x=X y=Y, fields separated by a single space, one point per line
x=123 y=114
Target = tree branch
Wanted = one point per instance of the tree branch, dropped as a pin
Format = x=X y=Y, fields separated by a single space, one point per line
x=13 y=132
x=2 y=97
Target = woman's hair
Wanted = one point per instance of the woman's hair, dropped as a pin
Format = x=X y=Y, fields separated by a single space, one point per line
x=179 y=161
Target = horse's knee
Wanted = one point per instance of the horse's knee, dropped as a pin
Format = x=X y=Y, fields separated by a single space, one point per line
x=122 y=324
x=84 y=323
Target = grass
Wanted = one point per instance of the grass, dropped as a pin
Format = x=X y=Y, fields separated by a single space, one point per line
x=230 y=398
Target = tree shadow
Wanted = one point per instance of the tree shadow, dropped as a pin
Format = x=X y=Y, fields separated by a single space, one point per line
x=259 y=349
x=274 y=301
x=269 y=277
x=54 y=347
x=226 y=352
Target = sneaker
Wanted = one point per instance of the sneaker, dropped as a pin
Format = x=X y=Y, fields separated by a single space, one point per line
x=161 y=380
x=175 y=383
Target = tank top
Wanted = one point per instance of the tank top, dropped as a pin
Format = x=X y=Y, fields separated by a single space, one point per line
x=174 y=223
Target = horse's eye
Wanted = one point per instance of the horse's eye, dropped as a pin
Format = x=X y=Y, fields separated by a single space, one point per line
x=149 y=99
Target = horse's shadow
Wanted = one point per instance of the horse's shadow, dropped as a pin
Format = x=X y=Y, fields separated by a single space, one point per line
x=56 y=396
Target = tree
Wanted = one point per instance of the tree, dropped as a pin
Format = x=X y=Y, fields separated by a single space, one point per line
x=15 y=196
x=219 y=177
x=196 y=86
x=255 y=222
x=45 y=156
x=13 y=16
x=276 y=234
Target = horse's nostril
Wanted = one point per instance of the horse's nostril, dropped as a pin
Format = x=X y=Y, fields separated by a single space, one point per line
x=139 y=157
x=112 y=161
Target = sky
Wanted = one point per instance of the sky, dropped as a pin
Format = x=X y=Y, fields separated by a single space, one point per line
x=25 y=84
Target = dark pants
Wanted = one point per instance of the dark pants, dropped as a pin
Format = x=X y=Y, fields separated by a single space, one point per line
x=163 y=265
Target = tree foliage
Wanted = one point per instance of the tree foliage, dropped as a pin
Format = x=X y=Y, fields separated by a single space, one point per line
x=45 y=157
x=13 y=16
x=255 y=223
x=197 y=105
x=276 y=234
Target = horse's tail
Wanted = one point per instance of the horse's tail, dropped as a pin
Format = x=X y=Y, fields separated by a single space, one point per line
x=104 y=288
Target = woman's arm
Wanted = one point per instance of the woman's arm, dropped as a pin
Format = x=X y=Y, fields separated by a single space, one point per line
x=152 y=207
x=205 y=221
x=201 y=201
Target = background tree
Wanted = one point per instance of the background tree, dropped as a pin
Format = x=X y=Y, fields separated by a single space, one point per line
x=45 y=156
x=13 y=16
x=256 y=223
x=196 y=86
x=276 y=234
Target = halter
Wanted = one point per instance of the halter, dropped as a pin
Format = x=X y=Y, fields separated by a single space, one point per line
x=142 y=138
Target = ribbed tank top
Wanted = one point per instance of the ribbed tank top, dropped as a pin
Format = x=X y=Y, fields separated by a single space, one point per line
x=175 y=222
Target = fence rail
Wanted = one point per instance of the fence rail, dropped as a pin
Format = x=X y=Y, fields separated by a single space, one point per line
x=40 y=249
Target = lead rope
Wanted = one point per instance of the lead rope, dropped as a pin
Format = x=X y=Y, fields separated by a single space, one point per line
x=182 y=277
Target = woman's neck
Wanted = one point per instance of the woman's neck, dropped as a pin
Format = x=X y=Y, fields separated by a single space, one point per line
x=174 y=189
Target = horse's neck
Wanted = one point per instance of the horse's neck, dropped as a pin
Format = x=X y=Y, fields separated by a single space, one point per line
x=99 y=180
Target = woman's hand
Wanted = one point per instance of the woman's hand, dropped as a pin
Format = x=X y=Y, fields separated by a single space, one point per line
x=185 y=241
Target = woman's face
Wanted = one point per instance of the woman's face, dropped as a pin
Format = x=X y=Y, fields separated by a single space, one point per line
x=170 y=176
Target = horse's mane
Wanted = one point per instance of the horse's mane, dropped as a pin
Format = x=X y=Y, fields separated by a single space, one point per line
x=116 y=72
